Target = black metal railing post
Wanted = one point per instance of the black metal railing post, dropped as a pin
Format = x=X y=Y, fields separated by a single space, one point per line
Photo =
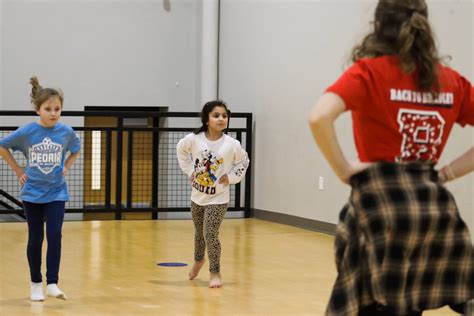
x=118 y=170
x=108 y=168
x=155 y=166
x=238 y=186
x=129 y=170
x=248 y=175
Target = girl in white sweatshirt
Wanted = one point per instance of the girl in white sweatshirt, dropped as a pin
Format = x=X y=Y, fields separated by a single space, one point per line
x=212 y=160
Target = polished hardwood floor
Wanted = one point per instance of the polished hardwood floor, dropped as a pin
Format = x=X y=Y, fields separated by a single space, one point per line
x=110 y=268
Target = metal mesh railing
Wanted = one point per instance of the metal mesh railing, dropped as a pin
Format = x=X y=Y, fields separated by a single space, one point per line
x=123 y=169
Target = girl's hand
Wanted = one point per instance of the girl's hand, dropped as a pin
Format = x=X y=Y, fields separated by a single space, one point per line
x=446 y=174
x=65 y=170
x=191 y=178
x=224 y=180
x=353 y=168
x=442 y=177
x=21 y=176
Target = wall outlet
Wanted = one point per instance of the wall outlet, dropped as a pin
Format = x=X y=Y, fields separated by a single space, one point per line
x=321 y=183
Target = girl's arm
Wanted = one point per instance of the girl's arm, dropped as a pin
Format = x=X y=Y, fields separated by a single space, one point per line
x=239 y=168
x=69 y=162
x=19 y=171
x=321 y=121
x=183 y=150
x=459 y=167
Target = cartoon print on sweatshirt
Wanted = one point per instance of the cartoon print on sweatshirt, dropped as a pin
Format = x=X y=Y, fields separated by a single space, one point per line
x=206 y=168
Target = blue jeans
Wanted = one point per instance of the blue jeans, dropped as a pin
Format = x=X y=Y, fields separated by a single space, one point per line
x=36 y=215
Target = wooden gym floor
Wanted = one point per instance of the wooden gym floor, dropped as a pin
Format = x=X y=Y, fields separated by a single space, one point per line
x=109 y=268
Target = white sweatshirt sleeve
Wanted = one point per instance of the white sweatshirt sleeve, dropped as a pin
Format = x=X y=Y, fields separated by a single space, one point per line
x=183 y=151
x=240 y=164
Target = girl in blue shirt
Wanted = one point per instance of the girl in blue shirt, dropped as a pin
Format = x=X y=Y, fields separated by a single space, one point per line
x=44 y=192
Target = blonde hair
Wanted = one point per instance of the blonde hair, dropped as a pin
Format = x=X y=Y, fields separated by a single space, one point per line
x=39 y=95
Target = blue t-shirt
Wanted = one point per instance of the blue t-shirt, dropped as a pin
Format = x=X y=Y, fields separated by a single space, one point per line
x=45 y=151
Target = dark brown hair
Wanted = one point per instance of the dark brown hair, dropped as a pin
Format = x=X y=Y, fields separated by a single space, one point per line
x=401 y=28
x=206 y=110
x=39 y=95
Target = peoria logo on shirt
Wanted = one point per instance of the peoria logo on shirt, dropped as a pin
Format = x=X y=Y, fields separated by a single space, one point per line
x=45 y=155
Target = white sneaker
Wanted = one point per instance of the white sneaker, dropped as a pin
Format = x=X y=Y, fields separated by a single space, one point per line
x=54 y=291
x=37 y=294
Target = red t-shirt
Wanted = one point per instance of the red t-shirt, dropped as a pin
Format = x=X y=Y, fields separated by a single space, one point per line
x=392 y=119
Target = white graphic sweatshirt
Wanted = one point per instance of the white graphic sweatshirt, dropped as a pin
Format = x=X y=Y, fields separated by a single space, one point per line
x=209 y=160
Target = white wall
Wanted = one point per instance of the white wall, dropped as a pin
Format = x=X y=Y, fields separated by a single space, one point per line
x=278 y=56
x=1 y=54
x=461 y=17
x=103 y=52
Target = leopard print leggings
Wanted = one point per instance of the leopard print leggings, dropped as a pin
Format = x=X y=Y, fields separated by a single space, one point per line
x=207 y=220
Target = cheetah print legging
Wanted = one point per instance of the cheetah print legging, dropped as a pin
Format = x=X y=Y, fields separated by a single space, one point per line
x=207 y=220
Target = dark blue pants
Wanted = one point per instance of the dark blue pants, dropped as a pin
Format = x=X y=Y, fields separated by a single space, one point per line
x=36 y=215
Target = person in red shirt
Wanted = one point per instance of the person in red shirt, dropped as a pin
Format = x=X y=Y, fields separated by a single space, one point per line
x=401 y=245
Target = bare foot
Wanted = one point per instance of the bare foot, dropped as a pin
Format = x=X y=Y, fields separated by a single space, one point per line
x=195 y=269
x=215 y=281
